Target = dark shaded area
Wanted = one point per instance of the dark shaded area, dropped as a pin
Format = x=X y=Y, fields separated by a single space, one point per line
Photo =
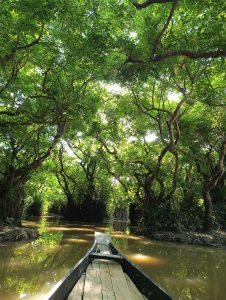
x=35 y=209
x=87 y=211
x=219 y=203
x=135 y=214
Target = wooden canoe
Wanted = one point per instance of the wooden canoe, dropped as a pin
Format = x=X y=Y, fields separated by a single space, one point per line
x=97 y=276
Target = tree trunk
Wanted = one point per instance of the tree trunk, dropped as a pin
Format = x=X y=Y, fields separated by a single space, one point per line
x=135 y=214
x=150 y=199
x=71 y=211
x=11 y=201
x=208 y=223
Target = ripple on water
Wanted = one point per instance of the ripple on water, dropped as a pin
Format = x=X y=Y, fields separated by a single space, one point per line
x=187 y=272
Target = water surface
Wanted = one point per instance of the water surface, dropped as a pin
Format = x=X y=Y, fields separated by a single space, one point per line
x=29 y=270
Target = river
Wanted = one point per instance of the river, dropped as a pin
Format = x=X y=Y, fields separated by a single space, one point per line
x=29 y=270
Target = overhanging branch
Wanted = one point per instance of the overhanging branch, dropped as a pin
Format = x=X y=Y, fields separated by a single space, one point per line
x=190 y=54
x=147 y=3
x=160 y=35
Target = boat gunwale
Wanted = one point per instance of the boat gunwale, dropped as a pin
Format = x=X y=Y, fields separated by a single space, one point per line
x=59 y=290
x=148 y=287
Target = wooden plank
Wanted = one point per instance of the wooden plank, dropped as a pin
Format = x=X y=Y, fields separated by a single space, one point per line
x=119 y=282
x=77 y=291
x=145 y=284
x=92 y=288
x=133 y=289
x=66 y=284
x=93 y=283
x=106 y=284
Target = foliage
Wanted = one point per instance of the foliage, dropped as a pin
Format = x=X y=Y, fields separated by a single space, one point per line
x=107 y=105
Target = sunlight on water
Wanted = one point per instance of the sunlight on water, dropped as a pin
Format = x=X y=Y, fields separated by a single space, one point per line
x=142 y=259
x=146 y=242
x=70 y=229
x=128 y=237
x=30 y=270
x=74 y=241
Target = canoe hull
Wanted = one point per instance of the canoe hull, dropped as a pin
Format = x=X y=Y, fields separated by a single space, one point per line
x=62 y=289
x=144 y=283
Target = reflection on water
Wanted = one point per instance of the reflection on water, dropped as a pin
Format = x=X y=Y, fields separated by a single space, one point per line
x=29 y=270
x=143 y=260
x=186 y=271
x=67 y=241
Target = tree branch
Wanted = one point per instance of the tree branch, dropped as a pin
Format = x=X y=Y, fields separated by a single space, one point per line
x=220 y=167
x=117 y=177
x=37 y=162
x=160 y=35
x=22 y=47
x=34 y=42
x=190 y=54
x=148 y=3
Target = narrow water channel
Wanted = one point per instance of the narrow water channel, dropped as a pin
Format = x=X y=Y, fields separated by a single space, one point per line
x=29 y=270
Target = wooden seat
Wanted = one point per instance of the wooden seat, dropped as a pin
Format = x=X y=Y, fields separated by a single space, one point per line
x=105 y=279
x=99 y=275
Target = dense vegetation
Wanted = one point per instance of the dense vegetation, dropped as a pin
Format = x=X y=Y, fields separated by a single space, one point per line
x=109 y=104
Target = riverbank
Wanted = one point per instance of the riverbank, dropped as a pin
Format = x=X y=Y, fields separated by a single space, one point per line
x=12 y=234
x=213 y=239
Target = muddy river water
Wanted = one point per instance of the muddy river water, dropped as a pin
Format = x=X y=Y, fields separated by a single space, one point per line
x=28 y=270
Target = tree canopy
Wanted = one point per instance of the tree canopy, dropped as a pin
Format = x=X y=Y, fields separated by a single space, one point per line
x=106 y=105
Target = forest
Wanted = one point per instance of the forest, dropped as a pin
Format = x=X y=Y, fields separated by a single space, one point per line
x=114 y=104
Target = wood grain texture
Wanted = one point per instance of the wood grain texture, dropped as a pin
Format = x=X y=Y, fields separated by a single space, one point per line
x=133 y=289
x=77 y=291
x=119 y=282
x=92 y=288
x=106 y=284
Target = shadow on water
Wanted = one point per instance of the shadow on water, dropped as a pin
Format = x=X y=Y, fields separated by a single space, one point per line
x=29 y=270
